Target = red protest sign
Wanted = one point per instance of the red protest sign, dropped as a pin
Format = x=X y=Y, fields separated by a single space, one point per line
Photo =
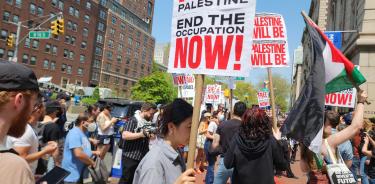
x=270 y=47
x=213 y=93
x=208 y=39
x=263 y=99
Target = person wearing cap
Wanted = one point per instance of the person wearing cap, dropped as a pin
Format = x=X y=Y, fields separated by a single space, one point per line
x=18 y=95
x=27 y=145
x=51 y=131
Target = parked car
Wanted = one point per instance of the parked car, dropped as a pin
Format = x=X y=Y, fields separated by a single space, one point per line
x=121 y=108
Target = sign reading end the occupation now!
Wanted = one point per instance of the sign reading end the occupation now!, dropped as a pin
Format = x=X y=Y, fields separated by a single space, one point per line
x=211 y=37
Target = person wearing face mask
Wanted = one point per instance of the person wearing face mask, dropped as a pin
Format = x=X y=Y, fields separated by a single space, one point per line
x=77 y=149
x=163 y=163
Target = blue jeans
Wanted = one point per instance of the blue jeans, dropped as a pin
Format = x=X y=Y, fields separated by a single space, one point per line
x=364 y=178
x=371 y=181
x=211 y=163
x=222 y=174
x=355 y=167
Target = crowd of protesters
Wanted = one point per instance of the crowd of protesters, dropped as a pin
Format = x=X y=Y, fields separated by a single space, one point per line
x=35 y=138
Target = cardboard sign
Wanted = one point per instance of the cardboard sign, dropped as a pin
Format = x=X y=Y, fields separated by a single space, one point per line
x=263 y=99
x=344 y=98
x=186 y=85
x=270 y=44
x=211 y=37
x=213 y=93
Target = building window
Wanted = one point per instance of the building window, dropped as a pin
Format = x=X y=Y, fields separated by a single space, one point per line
x=87 y=19
x=69 y=70
x=71 y=11
x=101 y=26
x=53 y=65
x=18 y=3
x=54 y=2
x=102 y=14
x=39 y=11
x=73 y=40
x=54 y=50
x=126 y=71
x=125 y=82
x=106 y=78
x=99 y=38
x=71 y=55
x=32 y=60
x=130 y=41
x=83 y=45
x=122 y=26
x=120 y=46
x=122 y=37
x=63 y=67
x=10 y=53
x=6 y=16
x=80 y=71
x=16 y=18
x=96 y=63
x=109 y=55
x=110 y=43
x=67 y=39
x=95 y=76
x=119 y=59
x=117 y=80
x=114 y=20
x=69 y=25
x=2 y=51
x=128 y=61
x=137 y=44
x=81 y=58
x=76 y=13
x=112 y=32
x=35 y=44
x=32 y=9
x=128 y=51
x=108 y=67
x=25 y=58
x=61 y=5
x=9 y=1
x=48 y=48
x=75 y=27
x=98 y=51
x=66 y=53
x=149 y=9
x=4 y=34
x=46 y=64
x=85 y=32
x=88 y=5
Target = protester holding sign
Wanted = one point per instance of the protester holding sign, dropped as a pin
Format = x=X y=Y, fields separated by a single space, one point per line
x=164 y=164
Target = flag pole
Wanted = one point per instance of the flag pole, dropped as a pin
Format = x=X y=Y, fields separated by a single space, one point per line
x=274 y=118
x=199 y=78
x=350 y=79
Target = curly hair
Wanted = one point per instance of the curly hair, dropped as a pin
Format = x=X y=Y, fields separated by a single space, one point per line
x=255 y=125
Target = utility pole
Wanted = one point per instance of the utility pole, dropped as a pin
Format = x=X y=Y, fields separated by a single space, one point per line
x=15 y=58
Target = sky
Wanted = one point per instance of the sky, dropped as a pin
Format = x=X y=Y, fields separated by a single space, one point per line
x=289 y=9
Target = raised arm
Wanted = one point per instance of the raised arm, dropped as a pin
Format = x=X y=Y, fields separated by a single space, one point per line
x=353 y=129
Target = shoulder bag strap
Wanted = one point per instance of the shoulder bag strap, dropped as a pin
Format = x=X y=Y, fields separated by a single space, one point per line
x=331 y=155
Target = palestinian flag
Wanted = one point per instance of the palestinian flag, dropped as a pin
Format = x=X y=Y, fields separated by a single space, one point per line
x=340 y=72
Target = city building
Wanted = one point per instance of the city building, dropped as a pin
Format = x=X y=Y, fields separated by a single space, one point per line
x=66 y=58
x=356 y=19
x=161 y=54
x=107 y=43
x=296 y=74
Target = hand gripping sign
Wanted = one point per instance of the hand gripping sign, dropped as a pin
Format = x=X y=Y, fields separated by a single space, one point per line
x=211 y=37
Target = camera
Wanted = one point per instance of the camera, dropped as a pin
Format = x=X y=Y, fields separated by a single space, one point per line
x=148 y=128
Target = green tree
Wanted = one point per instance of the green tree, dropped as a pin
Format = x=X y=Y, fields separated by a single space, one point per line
x=156 y=88
x=245 y=92
x=93 y=99
x=281 y=90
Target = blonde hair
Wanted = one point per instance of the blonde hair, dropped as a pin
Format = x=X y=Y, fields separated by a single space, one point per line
x=5 y=96
x=367 y=125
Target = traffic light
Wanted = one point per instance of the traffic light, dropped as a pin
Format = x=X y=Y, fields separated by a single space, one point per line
x=10 y=41
x=57 y=27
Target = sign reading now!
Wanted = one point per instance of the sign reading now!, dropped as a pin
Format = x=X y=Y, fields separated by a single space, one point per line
x=344 y=98
x=263 y=99
x=213 y=93
x=270 y=46
x=211 y=37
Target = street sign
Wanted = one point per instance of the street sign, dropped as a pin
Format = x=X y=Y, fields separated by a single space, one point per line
x=240 y=78
x=39 y=34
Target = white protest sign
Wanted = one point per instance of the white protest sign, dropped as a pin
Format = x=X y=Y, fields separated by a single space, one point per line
x=211 y=37
x=263 y=99
x=270 y=44
x=186 y=85
x=344 y=98
x=213 y=93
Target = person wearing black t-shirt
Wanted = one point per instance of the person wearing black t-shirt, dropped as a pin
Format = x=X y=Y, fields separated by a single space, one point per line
x=370 y=153
x=222 y=139
x=51 y=131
